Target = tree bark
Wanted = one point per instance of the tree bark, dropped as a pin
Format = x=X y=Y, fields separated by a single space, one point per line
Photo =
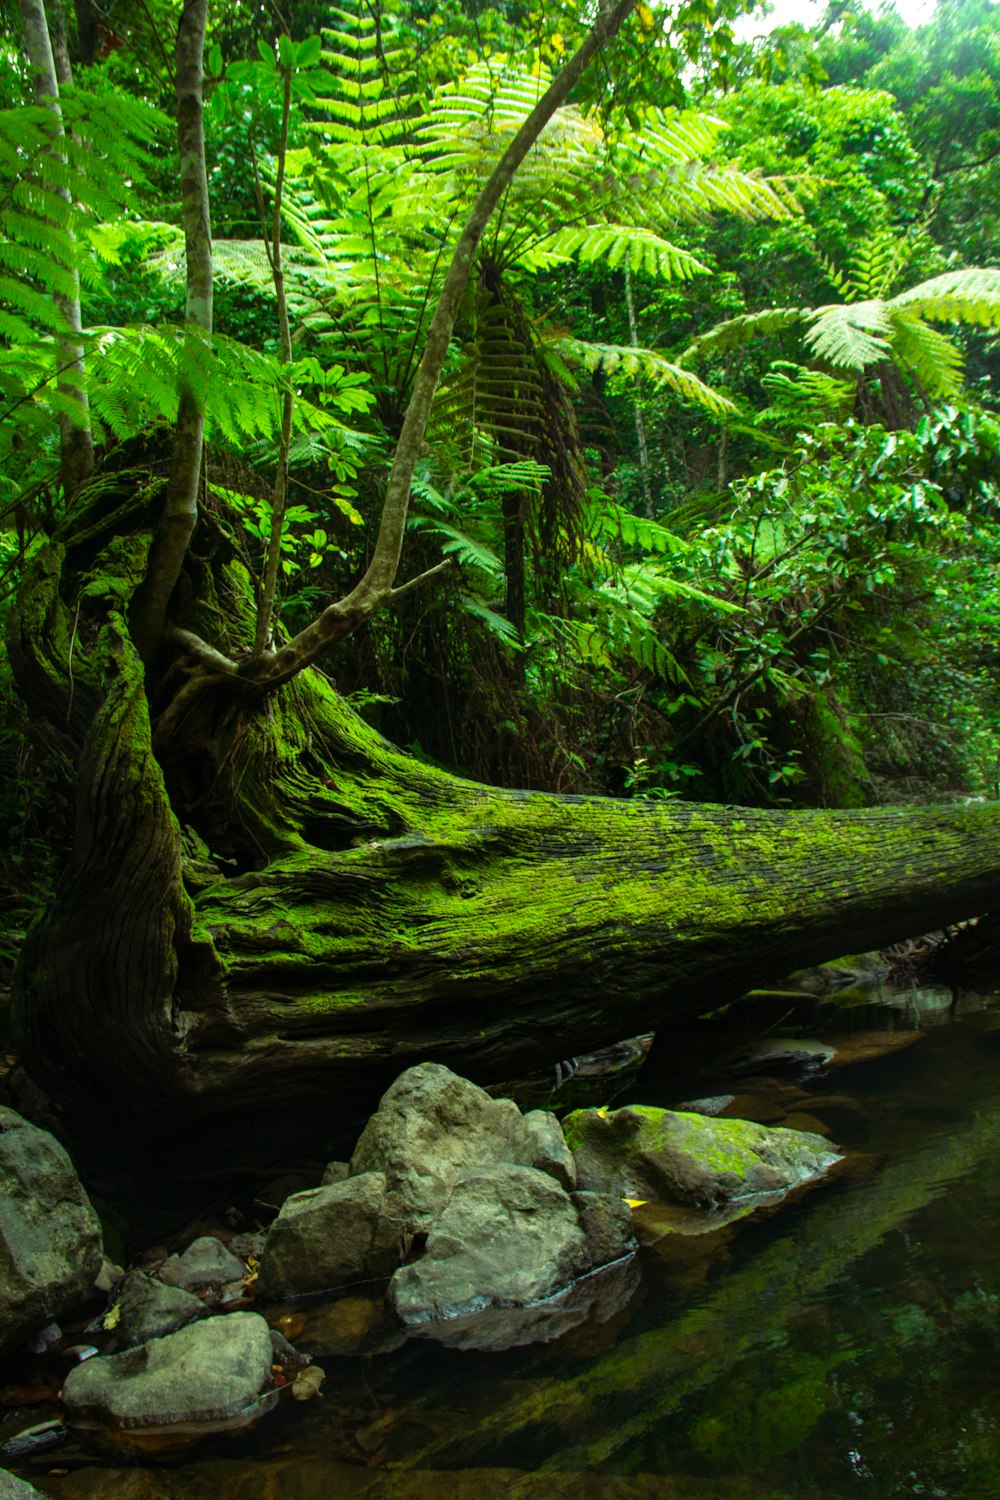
x=75 y=437
x=180 y=507
x=288 y=910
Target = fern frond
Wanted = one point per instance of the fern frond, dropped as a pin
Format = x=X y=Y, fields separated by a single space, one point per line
x=735 y=332
x=969 y=296
x=851 y=335
x=625 y=360
x=934 y=359
x=625 y=244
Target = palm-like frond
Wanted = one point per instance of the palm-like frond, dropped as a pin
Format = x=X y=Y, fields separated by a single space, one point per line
x=735 y=332
x=970 y=296
x=851 y=335
x=623 y=359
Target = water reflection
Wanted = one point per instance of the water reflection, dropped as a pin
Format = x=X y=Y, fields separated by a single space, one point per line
x=845 y=1345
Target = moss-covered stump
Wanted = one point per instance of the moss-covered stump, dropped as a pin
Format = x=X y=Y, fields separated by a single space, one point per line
x=267 y=904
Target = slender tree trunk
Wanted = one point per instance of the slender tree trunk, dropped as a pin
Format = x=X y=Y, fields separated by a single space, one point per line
x=279 y=496
x=640 y=424
x=180 y=509
x=76 y=440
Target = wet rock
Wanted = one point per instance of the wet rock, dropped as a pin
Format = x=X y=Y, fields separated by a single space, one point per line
x=50 y=1237
x=432 y=1128
x=644 y=1153
x=793 y=1054
x=147 y=1310
x=205 y=1262
x=606 y=1221
x=212 y=1376
x=350 y=1325
x=12 y=1488
x=713 y=1105
x=826 y=979
x=329 y=1237
x=498 y=1263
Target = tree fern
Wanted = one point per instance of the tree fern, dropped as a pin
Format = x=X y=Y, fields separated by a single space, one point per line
x=48 y=204
x=854 y=335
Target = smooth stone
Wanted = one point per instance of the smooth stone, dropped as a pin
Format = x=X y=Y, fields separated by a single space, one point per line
x=204 y=1262
x=148 y=1310
x=546 y=1149
x=644 y=1153
x=497 y=1263
x=330 y=1237
x=50 y=1236
x=206 y=1375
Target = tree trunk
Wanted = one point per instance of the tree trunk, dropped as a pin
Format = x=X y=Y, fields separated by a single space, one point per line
x=279 y=906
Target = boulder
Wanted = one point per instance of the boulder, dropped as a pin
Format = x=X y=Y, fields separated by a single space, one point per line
x=329 y=1237
x=499 y=1262
x=148 y=1310
x=205 y=1262
x=50 y=1237
x=432 y=1128
x=212 y=1376
x=643 y=1153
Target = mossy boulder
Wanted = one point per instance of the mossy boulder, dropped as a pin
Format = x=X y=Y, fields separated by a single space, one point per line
x=640 y=1152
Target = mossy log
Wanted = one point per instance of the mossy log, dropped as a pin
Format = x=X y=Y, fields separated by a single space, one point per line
x=277 y=905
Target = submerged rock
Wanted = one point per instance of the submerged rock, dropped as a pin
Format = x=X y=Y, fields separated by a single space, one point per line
x=643 y=1153
x=212 y=1376
x=329 y=1237
x=432 y=1128
x=500 y=1260
x=50 y=1237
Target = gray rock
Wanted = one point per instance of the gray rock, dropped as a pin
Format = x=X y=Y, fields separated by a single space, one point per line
x=639 y=1152
x=543 y=1146
x=329 y=1237
x=206 y=1373
x=508 y=1239
x=606 y=1221
x=204 y=1262
x=431 y=1127
x=12 y=1488
x=150 y=1310
x=50 y=1237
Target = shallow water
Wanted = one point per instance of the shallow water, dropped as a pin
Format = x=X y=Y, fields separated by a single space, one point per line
x=846 y=1345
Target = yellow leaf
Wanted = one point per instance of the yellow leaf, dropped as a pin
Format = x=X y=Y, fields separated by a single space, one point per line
x=645 y=17
x=112 y=1317
x=636 y=1202
x=556 y=42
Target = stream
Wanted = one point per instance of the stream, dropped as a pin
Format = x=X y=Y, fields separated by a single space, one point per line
x=843 y=1345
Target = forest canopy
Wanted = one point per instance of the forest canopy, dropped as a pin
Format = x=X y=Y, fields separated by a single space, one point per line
x=591 y=403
